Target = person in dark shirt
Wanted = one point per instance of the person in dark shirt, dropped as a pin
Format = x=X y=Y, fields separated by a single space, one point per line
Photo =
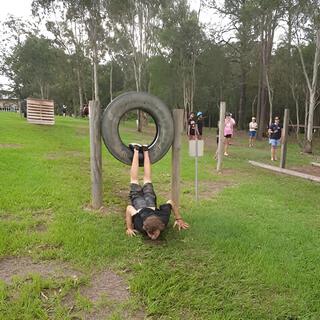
x=142 y=215
x=200 y=120
x=192 y=127
x=274 y=137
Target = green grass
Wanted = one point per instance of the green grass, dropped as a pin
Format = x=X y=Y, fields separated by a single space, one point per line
x=252 y=251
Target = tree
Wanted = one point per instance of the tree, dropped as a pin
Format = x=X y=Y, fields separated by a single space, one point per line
x=181 y=38
x=309 y=18
x=33 y=67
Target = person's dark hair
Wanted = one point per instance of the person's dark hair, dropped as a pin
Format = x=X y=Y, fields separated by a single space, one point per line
x=153 y=223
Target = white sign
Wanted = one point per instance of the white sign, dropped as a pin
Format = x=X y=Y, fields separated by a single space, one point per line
x=194 y=146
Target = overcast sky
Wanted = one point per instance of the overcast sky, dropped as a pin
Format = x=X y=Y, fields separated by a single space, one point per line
x=20 y=8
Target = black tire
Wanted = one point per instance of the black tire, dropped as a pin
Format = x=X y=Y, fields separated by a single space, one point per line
x=131 y=101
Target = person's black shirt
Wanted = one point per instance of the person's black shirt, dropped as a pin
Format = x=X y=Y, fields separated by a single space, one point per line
x=276 y=131
x=163 y=213
x=192 y=125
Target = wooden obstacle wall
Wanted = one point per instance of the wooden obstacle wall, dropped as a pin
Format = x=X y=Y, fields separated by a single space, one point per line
x=40 y=111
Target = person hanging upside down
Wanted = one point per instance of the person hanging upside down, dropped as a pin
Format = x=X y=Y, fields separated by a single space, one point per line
x=143 y=215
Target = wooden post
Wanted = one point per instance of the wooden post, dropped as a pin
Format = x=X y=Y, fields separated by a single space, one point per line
x=95 y=154
x=284 y=138
x=176 y=148
x=221 y=135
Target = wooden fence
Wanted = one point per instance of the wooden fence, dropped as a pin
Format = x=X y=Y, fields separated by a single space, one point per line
x=40 y=111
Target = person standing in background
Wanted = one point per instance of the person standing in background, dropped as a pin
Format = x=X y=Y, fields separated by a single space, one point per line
x=253 y=126
x=200 y=121
x=64 y=110
x=229 y=123
x=274 y=137
x=192 y=127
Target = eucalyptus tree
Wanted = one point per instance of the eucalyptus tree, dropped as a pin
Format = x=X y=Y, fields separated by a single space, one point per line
x=182 y=38
x=69 y=35
x=240 y=36
x=133 y=24
x=34 y=67
x=14 y=33
x=308 y=31
x=268 y=15
x=92 y=15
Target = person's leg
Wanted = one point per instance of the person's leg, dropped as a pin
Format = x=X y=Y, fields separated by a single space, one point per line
x=146 y=166
x=134 y=172
x=273 y=153
x=226 y=145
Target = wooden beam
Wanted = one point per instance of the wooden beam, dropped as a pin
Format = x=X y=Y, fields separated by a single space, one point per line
x=284 y=139
x=176 y=150
x=221 y=135
x=286 y=171
x=95 y=154
x=316 y=164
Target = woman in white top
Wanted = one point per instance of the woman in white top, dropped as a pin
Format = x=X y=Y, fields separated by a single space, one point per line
x=253 y=126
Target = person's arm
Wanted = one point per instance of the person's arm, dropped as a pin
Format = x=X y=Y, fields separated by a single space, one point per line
x=130 y=211
x=179 y=222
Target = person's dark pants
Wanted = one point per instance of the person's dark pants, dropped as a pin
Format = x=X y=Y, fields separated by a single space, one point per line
x=142 y=197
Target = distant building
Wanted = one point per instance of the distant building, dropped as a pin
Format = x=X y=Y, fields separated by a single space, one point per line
x=9 y=105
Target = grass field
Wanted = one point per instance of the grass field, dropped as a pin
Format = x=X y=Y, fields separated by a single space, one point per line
x=252 y=251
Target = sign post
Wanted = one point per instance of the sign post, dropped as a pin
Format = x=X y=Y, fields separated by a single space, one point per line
x=196 y=150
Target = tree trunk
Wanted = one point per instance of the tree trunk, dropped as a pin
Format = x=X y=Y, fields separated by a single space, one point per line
x=312 y=93
x=111 y=79
x=80 y=91
x=95 y=74
x=242 y=100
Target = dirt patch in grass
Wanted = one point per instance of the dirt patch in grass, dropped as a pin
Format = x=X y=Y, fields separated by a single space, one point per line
x=106 y=290
x=10 y=145
x=82 y=131
x=40 y=227
x=108 y=293
x=206 y=189
x=24 y=266
x=106 y=283
x=65 y=154
x=10 y=217
x=308 y=169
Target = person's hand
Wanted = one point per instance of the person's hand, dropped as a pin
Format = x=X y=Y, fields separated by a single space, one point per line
x=131 y=232
x=180 y=224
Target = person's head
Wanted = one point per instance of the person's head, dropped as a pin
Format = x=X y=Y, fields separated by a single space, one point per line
x=153 y=226
x=276 y=119
x=253 y=119
x=228 y=115
x=199 y=114
x=191 y=115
